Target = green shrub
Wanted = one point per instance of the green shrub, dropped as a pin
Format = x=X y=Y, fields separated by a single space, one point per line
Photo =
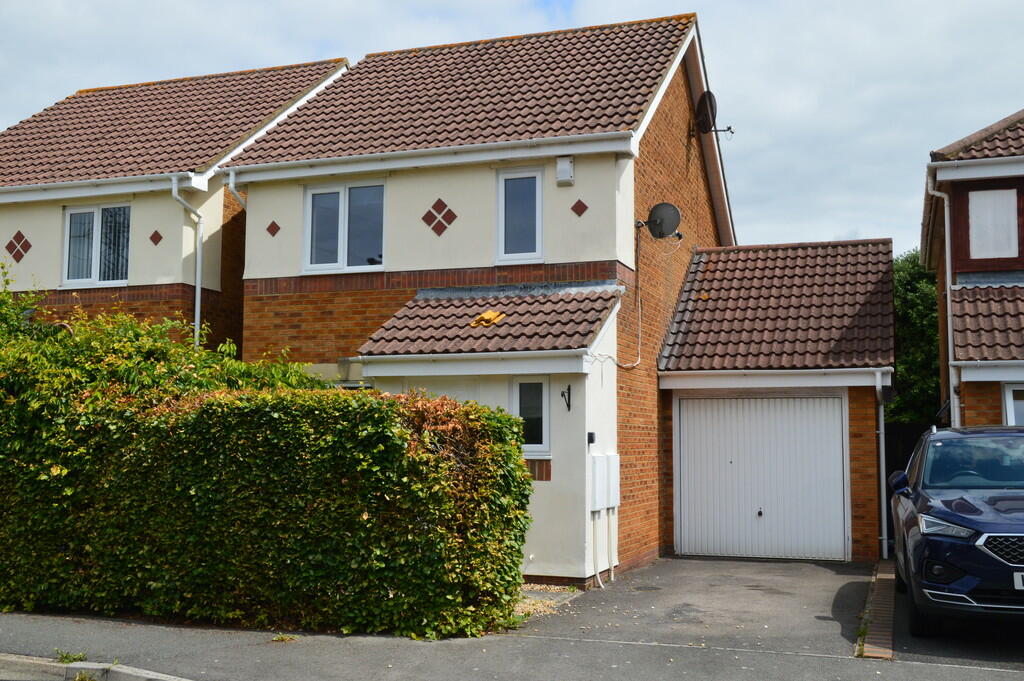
x=140 y=473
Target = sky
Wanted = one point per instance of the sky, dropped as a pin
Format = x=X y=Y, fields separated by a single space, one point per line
x=835 y=104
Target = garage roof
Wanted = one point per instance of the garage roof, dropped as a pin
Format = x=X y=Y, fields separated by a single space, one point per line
x=784 y=306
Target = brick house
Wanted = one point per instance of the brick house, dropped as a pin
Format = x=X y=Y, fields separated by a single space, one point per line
x=112 y=196
x=971 y=235
x=463 y=219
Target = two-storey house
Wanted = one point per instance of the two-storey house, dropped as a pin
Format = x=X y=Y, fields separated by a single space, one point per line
x=972 y=236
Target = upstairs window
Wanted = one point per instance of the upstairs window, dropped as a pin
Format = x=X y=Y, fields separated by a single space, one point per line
x=519 y=216
x=992 y=220
x=96 y=245
x=345 y=227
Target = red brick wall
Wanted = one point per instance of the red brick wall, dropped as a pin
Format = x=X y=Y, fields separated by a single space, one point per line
x=669 y=167
x=864 y=481
x=324 y=318
x=981 y=404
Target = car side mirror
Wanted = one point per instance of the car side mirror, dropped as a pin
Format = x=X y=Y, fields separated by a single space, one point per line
x=899 y=483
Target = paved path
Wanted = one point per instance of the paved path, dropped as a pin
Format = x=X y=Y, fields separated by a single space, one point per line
x=698 y=619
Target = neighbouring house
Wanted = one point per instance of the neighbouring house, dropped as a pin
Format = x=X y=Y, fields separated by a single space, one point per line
x=467 y=219
x=778 y=362
x=972 y=234
x=101 y=193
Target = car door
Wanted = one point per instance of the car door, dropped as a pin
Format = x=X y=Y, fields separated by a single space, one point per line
x=903 y=512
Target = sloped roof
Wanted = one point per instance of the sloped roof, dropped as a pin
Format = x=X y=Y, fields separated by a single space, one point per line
x=988 y=323
x=440 y=322
x=578 y=81
x=787 y=306
x=1002 y=138
x=150 y=128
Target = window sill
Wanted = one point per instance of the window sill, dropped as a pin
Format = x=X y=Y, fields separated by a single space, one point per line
x=537 y=456
x=74 y=285
x=307 y=270
x=525 y=260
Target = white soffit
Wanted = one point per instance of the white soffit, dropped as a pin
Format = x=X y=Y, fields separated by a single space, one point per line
x=1011 y=166
x=479 y=364
x=797 y=378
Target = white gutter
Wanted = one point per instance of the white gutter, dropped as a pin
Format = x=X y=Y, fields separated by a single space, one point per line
x=989 y=363
x=456 y=356
x=978 y=168
x=234 y=190
x=884 y=507
x=954 y=377
x=618 y=141
x=198 y=217
x=99 y=187
x=777 y=372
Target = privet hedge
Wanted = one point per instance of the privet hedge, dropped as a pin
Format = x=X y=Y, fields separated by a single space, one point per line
x=140 y=474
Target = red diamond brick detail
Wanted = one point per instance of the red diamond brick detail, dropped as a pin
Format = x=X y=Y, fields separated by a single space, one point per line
x=273 y=228
x=439 y=206
x=156 y=237
x=439 y=227
x=429 y=217
x=11 y=247
x=17 y=255
x=19 y=237
x=25 y=245
x=449 y=216
x=18 y=246
x=579 y=207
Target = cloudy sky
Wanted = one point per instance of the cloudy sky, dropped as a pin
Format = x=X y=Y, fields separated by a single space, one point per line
x=835 y=104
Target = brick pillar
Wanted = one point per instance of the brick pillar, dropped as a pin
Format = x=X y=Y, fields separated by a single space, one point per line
x=864 y=480
x=981 y=404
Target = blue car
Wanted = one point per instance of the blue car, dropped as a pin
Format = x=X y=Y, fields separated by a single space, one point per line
x=958 y=514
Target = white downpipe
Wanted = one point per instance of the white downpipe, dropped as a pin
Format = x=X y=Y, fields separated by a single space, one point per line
x=234 y=190
x=611 y=549
x=198 y=217
x=884 y=507
x=954 y=376
x=595 y=517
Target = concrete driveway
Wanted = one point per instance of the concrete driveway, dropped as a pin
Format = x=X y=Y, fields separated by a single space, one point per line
x=678 y=619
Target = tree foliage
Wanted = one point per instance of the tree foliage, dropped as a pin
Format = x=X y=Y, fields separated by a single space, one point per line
x=916 y=377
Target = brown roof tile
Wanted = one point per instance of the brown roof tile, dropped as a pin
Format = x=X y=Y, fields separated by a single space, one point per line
x=786 y=306
x=585 y=80
x=150 y=128
x=566 y=320
x=988 y=323
x=1002 y=138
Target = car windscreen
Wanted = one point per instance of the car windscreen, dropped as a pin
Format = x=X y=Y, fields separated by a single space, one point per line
x=995 y=462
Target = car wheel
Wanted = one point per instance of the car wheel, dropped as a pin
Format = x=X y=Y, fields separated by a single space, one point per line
x=901 y=584
x=919 y=623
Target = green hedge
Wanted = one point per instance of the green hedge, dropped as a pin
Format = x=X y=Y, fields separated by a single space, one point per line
x=128 y=485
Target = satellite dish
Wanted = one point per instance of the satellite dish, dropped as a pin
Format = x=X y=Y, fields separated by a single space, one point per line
x=706 y=112
x=662 y=221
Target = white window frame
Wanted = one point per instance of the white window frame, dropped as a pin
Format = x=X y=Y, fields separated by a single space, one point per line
x=971 y=223
x=1008 y=416
x=521 y=258
x=341 y=188
x=543 y=450
x=94 y=281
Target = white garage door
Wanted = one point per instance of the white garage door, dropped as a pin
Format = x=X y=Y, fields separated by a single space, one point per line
x=762 y=477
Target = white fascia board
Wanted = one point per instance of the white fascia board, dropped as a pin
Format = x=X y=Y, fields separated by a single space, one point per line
x=599 y=143
x=978 y=169
x=991 y=371
x=666 y=80
x=477 y=363
x=797 y=378
x=714 y=167
x=327 y=80
x=103 y=187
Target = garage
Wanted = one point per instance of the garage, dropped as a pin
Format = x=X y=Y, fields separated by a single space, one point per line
x=776 y=369
x=775 y=478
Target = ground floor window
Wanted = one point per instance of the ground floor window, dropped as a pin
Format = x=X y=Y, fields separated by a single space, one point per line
x=530 y=403
x=1013 y=404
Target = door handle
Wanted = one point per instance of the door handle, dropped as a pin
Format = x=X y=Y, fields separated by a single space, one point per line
x=760 y=513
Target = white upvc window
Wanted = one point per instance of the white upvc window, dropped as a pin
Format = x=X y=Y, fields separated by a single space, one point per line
x=530 y=403
x=345 y=227
x=992 y=216
x=1013 y=404
x=520 y=205
x=96 y=245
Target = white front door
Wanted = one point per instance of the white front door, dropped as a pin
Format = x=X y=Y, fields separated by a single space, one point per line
x=762 y=477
